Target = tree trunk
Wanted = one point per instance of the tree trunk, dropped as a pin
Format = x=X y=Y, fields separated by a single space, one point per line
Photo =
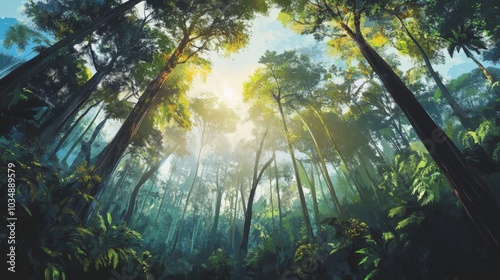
x=145 y=201
x=218 y=202
x=233 y=224
x=193 y=234
x=310 y=181
x=398 y=130
x=216 y=217
x=68 y=133
x=333 y=193
x=181 y=221
x=86 y=149
x=80 y=139
x=363 y=197
x=483 y=69
x=51 y=128
x=478 y=200
x=94 y=136
x=31 y=67
x=175 y=212
x=110 y=156
x=133 y=197
x=459 y=112
x=255 y=181
x=303 y=205
x=339 y=175
x=278 y=191
x=118 y=186
x=242 y=195
x=271 y=198
x=164 y=194
x=323 y=194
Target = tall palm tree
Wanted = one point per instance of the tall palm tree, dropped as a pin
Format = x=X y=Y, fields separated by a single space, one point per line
x=467 y=40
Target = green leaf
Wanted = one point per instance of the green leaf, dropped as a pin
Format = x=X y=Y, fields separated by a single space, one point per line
x=363 y=251
x=50 y=252
x=46 y=274
x=364 y=260
x=397 y=211
x=371 y=274
x=109 y=218
x=437 y=95
x=113 y=257
x=421 y=164
x=25 y=208
x=387 y=133
x=86 y=265
x=55 y=274
x=387 y=235
x=413 y=218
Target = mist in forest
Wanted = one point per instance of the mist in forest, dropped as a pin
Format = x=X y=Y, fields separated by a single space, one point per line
x=266 y=139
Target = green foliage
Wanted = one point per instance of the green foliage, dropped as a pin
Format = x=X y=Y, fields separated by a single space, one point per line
x=218 y=259
x=21 y=105
x=465 y=38
x=287 y=78
x=57 y=244
x=486 y=129
x=397 y=211
x=370 y=261
x=416 y=217
x=84 y=74
x=260 y=261
x=21 y=35
x=352 y=229
x=428 y=182
x=417 y=240
x=308 y=261
x=413 y=174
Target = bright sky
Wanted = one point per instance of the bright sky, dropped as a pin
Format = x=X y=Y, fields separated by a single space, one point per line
x=228 y=74
x=268 y=35
x=12 y=8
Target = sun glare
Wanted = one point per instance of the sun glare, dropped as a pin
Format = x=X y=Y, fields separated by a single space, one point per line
x=229 y=93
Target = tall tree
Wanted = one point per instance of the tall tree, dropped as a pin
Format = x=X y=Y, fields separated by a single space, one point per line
x=222 y=173
x=478 y=200
x=174 y=141
x=459 y=112
x=197 y=27
x=466 y=39
x=31 y=67
x=120 y=47
x=210 y=120
x=285 y=80
x=257 y=175
x=333 y=193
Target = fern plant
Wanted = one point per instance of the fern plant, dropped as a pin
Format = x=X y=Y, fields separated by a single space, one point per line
x=50 y=234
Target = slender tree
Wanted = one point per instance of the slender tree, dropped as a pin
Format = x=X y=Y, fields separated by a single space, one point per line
x=465 y=39
x=285 y=79
x=333 y=193
x=257 y=175
x=312 y=187
x=133 y=197
x=210 y=121
x=459 y=112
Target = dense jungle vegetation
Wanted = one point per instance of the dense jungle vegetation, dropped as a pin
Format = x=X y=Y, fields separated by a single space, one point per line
x=354 y=164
